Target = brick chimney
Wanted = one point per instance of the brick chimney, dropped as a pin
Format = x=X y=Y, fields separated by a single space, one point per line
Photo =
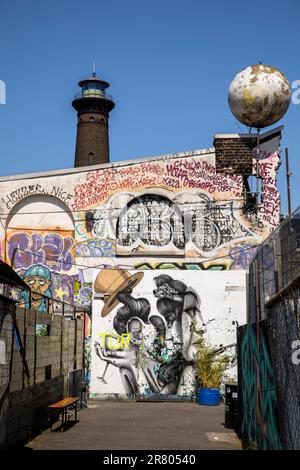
x=234 y=153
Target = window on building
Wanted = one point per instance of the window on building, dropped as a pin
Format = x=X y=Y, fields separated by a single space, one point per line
x=91 y=157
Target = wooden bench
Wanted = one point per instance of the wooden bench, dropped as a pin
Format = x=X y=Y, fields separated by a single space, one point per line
x=63 y=408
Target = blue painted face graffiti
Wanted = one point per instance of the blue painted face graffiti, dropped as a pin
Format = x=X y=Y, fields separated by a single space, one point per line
x=38 y=278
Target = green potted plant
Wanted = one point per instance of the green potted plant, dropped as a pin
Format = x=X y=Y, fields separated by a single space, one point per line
x=211 y=364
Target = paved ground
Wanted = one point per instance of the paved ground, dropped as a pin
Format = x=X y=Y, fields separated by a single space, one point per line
x=142 y=425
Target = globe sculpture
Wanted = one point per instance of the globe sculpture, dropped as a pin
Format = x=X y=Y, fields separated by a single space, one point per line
x=259 y=95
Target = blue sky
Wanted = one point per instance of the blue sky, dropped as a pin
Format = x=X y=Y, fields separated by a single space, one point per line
x=169 y=63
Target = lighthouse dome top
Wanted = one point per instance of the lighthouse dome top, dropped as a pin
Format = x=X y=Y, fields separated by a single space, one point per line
x=93 y=80
x=93 y=87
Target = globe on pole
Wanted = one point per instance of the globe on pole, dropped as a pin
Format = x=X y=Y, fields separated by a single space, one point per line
x=259 y=95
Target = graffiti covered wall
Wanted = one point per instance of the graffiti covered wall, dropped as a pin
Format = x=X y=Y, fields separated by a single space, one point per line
x=146 y=325
x=45 y=260
x=167 y=212
x=257 y=385
x=200 y=216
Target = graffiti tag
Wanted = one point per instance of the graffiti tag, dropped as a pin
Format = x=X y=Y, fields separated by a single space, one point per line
x=51 y=249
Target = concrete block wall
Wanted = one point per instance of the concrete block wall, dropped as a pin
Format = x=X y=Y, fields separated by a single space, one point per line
x=28 y=412
x=45 y=351
x=49 y=360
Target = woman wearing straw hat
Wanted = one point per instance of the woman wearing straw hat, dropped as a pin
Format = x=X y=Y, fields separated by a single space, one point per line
x=161 y=343
x=138 y=363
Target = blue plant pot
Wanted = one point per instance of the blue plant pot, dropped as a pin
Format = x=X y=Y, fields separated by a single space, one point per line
x=208 y=396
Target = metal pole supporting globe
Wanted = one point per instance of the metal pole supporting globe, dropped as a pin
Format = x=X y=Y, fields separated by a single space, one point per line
x=259 y=95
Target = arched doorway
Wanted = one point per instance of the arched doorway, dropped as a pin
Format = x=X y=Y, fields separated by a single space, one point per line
x=40 y=246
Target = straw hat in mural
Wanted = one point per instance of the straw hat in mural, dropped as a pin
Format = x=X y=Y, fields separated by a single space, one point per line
x=110 y=282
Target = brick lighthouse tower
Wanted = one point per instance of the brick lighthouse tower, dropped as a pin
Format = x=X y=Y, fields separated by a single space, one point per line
x=93 y=105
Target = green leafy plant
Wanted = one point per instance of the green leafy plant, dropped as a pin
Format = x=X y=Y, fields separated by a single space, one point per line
x=211 y=363
x=42 y=329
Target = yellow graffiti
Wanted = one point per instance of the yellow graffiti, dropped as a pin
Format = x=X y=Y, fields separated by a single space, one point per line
x=115 y=342
x=60 y=293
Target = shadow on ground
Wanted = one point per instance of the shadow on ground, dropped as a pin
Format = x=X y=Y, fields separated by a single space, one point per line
x=142 y=426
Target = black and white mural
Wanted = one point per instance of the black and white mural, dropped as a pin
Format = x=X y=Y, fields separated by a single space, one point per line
x=146 y=325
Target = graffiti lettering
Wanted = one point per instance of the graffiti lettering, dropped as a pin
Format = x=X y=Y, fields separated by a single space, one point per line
x=15 y=196
x=241 y=256
x=51 y=249
x=80 y=229
x=268 y=211
x=200 y=174
x=115 y=342
x=61 y=194
x=152 y=219
x=95 y=248
x=192 y=266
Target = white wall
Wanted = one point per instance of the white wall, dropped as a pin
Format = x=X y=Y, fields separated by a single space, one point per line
x=222 y=304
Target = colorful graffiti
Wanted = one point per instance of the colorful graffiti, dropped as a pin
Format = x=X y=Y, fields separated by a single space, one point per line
x=200 y=174
x=95 y=248
x=258 y=390
x=60 y=287
x=54 y=250
x=184 y=173
x=160 y=315
x=45 y=260
x=270 y=195
x=83 y=293
x=39 y=279
x=241 y=256
x=268 y=164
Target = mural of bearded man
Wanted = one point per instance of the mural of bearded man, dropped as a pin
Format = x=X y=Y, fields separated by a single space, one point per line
x=180 y=307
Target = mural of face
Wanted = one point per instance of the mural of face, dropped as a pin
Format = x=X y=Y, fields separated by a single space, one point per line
x=38 y=278
x=161 y=352
x=162 y=316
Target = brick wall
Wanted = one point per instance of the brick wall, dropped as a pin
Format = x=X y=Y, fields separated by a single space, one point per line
x=234 y=153
x=92 y=137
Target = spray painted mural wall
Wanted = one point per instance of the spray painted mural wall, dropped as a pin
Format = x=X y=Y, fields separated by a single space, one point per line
x=45 y=260
x=39 y=244
x=173 y=211
x=146 y=325
x=140 y=210
x=169 y=216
